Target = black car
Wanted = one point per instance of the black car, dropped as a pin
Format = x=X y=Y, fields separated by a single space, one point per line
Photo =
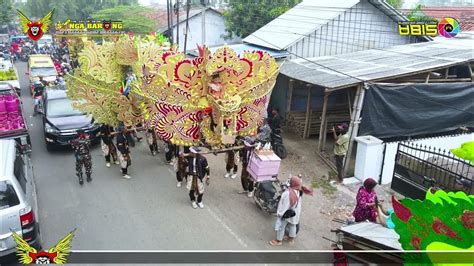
x=61 y=121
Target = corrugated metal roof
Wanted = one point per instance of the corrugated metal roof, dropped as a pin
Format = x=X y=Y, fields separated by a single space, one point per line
x=376 y=64
x=297 y=22
x=240 y=48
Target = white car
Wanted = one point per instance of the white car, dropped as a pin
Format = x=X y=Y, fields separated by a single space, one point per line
x=18 y=203
x=5 y=65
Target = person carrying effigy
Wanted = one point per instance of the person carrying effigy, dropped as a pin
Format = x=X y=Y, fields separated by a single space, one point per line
x=198 y=175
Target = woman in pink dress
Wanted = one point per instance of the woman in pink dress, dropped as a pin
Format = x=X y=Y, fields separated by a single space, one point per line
x=366 y=202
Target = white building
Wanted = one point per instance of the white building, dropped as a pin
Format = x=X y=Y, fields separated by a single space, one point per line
x=316 y=28
x=212 y=34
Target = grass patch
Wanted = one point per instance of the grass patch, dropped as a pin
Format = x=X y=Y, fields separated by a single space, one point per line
x=323 y=184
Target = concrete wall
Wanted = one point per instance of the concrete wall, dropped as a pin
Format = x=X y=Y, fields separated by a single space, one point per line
x=446 y=143
x=215 y=30
x=360 y=28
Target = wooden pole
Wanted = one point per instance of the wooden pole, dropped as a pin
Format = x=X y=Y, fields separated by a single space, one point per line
x=291 y=84
x=308 y=108
x=427 y=79
x=355 y=121
x=322 y=129
x=309 y=124
x=349 y=102
x=219 y=151
x=325 y=133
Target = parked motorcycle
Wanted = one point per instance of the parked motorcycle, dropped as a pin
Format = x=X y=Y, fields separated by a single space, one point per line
x=277 y=144
x=267 y=195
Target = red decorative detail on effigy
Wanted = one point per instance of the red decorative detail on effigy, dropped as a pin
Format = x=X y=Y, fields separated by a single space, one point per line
x=468 y=219
x=416 y=242
x=402 y=212
x=441 y=228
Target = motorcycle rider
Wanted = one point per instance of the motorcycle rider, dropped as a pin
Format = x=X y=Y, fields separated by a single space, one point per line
x=81 y=146
x=264 y=132
x=44 y=82
x=275 y=121
x=38 y=91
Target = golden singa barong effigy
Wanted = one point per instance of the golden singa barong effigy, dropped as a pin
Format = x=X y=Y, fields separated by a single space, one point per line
x=210 y=99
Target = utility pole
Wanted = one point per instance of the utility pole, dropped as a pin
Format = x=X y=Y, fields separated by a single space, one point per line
x=168 y=18
x=171 y=20
x=177 y=21
x=188 y=6
x=203 y=14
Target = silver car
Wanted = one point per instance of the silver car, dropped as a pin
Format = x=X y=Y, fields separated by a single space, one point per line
x=18 y=203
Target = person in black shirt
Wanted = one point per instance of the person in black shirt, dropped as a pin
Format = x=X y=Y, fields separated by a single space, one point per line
x=198 y=171
x=38 y=91
x=81 y=146
x=275 y=121
x=123 y=151
x=107 y=144
x=170 y=151
x=181 y=164
x=245 y=178
x=152 y=141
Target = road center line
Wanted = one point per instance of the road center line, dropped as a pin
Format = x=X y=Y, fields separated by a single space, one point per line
x=213 y=214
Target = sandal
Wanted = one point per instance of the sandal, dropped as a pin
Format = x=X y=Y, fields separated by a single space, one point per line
x=275 y=243
x=286 y=238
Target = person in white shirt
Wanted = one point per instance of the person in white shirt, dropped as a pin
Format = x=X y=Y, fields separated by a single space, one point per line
x=290 y=202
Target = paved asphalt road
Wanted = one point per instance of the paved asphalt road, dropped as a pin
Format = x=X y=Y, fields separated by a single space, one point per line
x=147 y=212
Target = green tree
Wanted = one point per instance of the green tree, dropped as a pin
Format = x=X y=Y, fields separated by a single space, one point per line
x=243 y=17
x=416 y=14
x=6 y=13
x=134 y=18
x=395 y=3
x=74 y=9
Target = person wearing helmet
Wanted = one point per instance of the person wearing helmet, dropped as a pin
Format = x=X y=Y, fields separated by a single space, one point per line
x=341 y=145
x=81 y=147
